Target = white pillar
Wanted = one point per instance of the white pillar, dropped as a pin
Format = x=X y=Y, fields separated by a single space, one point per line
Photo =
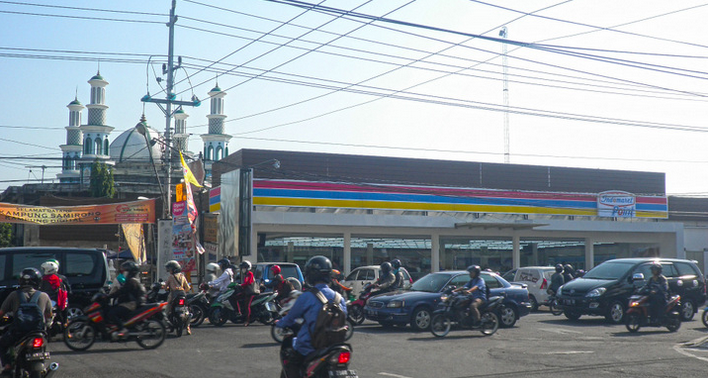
x=347 y=258
x=254 y=246
x=516 y=254
x=369 y=254
x=434 y=253
x=589 y=254
x=291 y=252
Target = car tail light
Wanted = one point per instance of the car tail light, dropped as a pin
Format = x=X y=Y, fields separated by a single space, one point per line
x=344 y=358
x=38 y=342
x=544 y=284
x=180 y=302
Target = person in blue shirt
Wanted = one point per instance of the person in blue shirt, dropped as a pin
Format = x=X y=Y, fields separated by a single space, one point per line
x=318 y=271
x=476 y=289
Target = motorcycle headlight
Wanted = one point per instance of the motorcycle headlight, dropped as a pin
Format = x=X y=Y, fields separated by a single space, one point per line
x=444 y=298
x=596 y=292
x=395 y=304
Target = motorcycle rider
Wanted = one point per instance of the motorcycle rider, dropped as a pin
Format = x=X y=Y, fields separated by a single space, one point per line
x=336 y=284
x=210 y=276
x=396 y=264
x=658 y=288
x=129 y=296
x=226 y=278
x=176 y=282
x=56 y=287
x=568 y=273
x=385 y=282
x=557 y=280
x=279 y=284
x=318 y=272
x=244 y=293
x=476 y=289
x=30 y=279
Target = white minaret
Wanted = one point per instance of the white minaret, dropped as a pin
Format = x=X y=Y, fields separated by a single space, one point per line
x=216 y=143
x=71 y=151
x=96 y=133
x=180 y=137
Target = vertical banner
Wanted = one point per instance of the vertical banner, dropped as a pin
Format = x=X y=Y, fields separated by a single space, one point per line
x=164 y=246
x=134 y=237
x=229 y=219
x=183 y=236
x=245 y=207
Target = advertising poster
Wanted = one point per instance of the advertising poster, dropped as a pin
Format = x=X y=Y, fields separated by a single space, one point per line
x=116 y=213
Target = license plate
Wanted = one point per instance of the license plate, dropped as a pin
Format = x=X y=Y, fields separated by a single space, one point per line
x=342 y=374
x=38 y=356
x=569 y=302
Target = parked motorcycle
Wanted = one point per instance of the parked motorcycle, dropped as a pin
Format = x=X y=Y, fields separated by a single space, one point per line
x=452 y=311
x=263 y=308
x=145 y=326
x=29 y=356
x=327 y=363
x=637 y=315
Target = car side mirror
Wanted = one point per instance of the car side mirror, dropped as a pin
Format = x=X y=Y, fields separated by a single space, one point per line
x=637 y=277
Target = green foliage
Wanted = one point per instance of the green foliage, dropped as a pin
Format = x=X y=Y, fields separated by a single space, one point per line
x=102 y=184
x=5 y=235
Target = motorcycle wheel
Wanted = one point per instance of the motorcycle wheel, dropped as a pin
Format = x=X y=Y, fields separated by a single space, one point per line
x=440 y=325
x=156 y=334
x=633 y=322
x=673 y=323
x=279 y=334
x=350 y=330
x=197 y=317
x=218 y=317
x=179 y=327
x=79 y=335
x=489 y=323
x=356 y=314
x=705 y=318
x=266 y=317
x=555 y=309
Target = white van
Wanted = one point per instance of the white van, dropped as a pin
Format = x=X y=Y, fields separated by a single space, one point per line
x=537 y=278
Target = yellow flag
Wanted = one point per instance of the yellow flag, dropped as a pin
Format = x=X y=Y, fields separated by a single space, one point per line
x=188 y=175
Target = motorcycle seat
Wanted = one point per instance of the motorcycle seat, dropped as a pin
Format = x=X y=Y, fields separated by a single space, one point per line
x=490 y=301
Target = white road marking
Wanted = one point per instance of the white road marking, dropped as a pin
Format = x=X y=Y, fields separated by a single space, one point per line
x=393 y=375
x=560 y=330
x=681 y=348
x=573 y=352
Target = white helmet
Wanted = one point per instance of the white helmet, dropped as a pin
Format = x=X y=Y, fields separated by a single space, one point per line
x=50 y=267
x=212 y=267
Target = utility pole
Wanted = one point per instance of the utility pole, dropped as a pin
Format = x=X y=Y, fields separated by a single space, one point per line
x=503 y=33
x=44 y=167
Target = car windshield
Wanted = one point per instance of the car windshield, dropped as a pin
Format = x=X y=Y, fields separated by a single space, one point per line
x=432 y=283
x=610 y=270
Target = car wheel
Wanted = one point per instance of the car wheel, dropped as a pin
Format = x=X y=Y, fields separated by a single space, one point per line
x=688 y=309
x=571 y=315
x=534 y=303
x=615 y=313
x=507 y=317
x=420 y=321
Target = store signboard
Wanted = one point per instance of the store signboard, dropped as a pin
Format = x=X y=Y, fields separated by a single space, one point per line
x=616 y=204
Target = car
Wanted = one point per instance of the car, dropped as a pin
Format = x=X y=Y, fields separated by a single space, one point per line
x=359 y=277
x=605 y=289
x=262 y=273
x=537 y=279
x=86 y=269
x=416 y=305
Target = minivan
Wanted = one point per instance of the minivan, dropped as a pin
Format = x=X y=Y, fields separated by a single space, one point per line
x=605 y=289
x=85 y=269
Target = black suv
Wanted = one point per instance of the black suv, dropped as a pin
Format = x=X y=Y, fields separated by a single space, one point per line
x=605 y=289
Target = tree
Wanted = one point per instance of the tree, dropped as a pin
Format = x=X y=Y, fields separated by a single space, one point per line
x=5 y=235
x=102 y=184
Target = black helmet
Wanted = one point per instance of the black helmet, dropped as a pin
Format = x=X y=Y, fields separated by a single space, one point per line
x=656 y=266
x=559 y=268
x=173 y=266
x=131 y=268
x=568 y=268
x=396 y=263
x=318 y=269
x=386 y=268
x=224 y=264
x=30 y=277
x=579 y=273
x=474 y=268
x=245 y=265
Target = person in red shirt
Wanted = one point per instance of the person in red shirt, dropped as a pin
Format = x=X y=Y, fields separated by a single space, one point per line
x=247 y=290
x=279 y=284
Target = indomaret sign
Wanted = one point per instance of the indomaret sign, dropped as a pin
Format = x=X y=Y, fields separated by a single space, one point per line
x=116 y=213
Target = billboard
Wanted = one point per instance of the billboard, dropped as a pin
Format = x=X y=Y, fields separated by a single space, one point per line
x=116 y=213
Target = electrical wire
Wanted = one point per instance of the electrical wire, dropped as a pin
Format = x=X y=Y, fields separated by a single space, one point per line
x=82 y=17
x=83 y=9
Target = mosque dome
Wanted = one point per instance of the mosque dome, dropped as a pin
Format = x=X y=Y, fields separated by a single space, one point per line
x=130 y=146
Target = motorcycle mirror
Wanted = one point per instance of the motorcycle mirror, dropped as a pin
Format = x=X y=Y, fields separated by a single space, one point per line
x=638 y=277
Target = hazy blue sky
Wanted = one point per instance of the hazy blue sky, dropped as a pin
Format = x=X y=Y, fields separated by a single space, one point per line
x=349 y=87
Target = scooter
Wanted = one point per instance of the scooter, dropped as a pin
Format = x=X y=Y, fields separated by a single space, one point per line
x=326 y=363
x=29 y=355
x=637 y=314
x=179 y=316
x=263 y=308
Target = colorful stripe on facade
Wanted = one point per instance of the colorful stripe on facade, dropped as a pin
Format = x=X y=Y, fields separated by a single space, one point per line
x=215 y=199
x=426 y=198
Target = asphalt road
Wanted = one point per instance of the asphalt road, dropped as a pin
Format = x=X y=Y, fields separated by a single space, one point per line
x=540 y=345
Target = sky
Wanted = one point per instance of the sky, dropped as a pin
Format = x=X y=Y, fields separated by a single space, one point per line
x=591 y=83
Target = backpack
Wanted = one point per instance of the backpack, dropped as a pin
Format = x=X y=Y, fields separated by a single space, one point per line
x=29 y=316
x=331 y=324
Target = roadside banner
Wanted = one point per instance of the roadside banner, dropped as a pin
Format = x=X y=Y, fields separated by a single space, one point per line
x=135 y=239
x=142 y=211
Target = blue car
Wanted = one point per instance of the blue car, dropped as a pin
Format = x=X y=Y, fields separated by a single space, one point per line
x=416 y=305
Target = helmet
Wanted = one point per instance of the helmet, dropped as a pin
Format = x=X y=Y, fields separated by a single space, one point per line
x=396 y=264
x=54 y=261
x=131 y=268
x=656 y=266
x=474 y=268
x=224 y=264
x=30 y=277
x=559 y=268
x=568 y=268
x=173 y=266
x=579 y=273
x=275 y=269
x=50 y=267
x=212 y=267
x=386 y=267
x=245 y=265
x=336 y=274
x=318 y=269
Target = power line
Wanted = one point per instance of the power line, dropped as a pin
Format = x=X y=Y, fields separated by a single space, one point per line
x=82 y=9
x=82 y=17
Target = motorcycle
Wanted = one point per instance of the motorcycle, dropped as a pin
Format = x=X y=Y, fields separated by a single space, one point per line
x=637 y=314
x=57 y=325
x=179 y=316
x=355 y=309
x=145 y=326
x=326 y=363
x=199 y=304
x=279 y=334
x=451 y=312
x=705 y=316
x=263 y=308
x=28 y=356
x=553 y=305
